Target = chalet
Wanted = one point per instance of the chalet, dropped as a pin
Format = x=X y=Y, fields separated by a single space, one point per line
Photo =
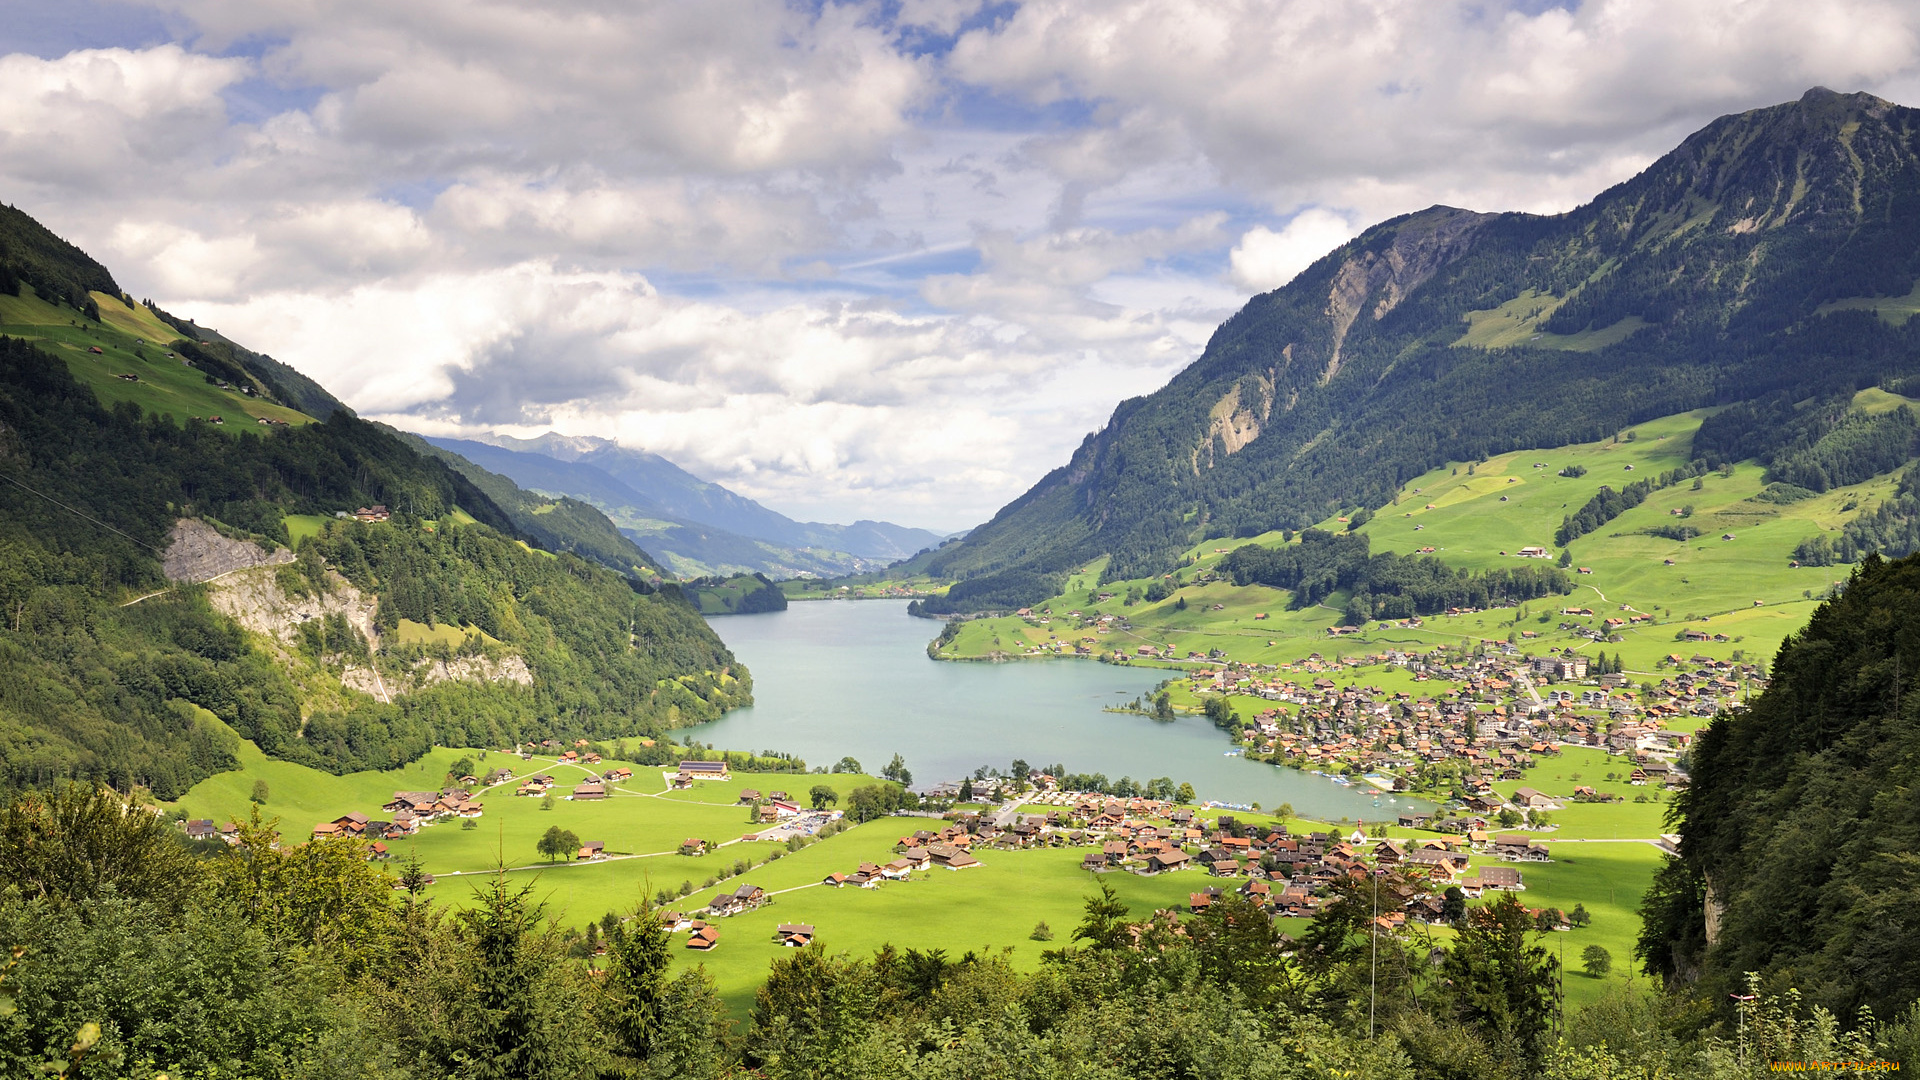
x=1167 y=860
x=1500 y=877
x=1435 y=857
x=1531 y=799
x=378 y=852
x=950 y=856
x=705 y=770
x=744 y=898
x=703 y=938
x=917 y=858
x=1093 y=861
x=794 y=935
x=693 y=845
x=589 y=792
x=749 y=795
x=419 y=803
x=202 y=829
x=1511 y=845
x=592 y=849
x=835 y=879
x=1294 y=902
x=1202 y=900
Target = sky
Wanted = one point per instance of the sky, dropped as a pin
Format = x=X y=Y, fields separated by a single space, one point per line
x=886 y=260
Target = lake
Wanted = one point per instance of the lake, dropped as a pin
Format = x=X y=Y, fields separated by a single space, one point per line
x=835 y=679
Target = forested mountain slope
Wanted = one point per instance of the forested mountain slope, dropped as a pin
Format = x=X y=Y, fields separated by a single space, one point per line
x=438 y=624
x=1771 y=259
x=1799 y=830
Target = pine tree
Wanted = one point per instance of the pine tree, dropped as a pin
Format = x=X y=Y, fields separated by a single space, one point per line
x=637 y=966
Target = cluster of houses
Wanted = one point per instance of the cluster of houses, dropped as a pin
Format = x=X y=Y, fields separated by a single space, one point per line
x=1495 y=715
x=1282 y=873
x=592 y=789
x=949 y=849
x=409 y=810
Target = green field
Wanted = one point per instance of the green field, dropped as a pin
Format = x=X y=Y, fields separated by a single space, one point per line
x=409 y=632
x=1477 y=516
x=991 y=907
x=163 y=386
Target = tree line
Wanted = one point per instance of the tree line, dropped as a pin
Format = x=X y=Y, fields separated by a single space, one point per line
x=1383 y=586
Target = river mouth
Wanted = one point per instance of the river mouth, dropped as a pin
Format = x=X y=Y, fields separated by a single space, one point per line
x=834 y=679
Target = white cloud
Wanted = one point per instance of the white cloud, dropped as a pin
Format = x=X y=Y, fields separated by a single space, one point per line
x=794 y=249
x=1265 y=260
x=93 y=123
x=1304 y=102
x=930 y=412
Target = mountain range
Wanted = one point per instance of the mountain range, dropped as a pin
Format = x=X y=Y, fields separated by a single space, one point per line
x=695 y=527
x=1771 y=259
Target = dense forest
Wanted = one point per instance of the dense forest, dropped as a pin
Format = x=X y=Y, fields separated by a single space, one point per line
x=132 y=955
x=111 y=693
x=30 y=254
x=1798 y=832
x=1383 y=586
x=1369 y=368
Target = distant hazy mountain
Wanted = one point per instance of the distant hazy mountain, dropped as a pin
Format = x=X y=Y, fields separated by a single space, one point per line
x=684 y=495
x=695 y=527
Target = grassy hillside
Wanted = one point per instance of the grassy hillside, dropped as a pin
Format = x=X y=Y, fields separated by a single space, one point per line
x=1477 y=516
x=108 y=436
x=132 y=342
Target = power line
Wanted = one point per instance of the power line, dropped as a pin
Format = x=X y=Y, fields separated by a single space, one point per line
x=80 y=513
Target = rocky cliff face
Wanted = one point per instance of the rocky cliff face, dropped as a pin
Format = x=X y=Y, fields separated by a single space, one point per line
x=255 y=598
x=197 y=552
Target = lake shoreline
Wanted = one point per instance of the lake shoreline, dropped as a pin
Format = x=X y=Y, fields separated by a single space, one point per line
x=834 y=681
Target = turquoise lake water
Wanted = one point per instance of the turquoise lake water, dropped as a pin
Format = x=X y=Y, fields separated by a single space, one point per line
x=835 y=679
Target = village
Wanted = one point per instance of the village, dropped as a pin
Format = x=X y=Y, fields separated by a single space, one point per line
x=1499 y=708
x=1285 y=875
